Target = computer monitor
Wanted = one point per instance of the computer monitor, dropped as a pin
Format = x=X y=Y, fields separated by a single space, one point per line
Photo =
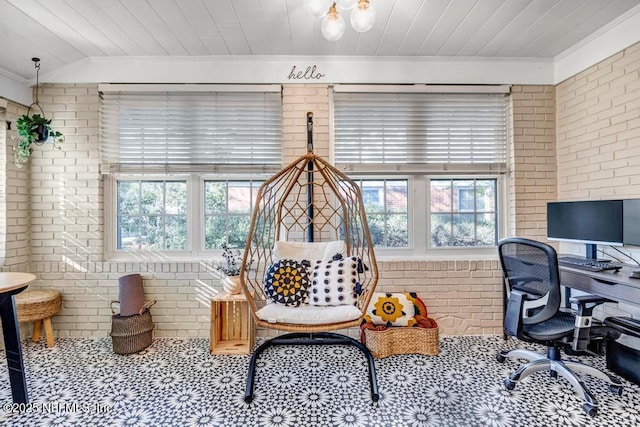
x=631 y=223
x=591 y=222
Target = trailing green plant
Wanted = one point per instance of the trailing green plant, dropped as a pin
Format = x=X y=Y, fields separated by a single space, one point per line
x=35 y=129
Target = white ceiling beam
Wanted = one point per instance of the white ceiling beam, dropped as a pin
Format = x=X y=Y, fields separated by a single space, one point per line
x=15 y=89
x=328 y=69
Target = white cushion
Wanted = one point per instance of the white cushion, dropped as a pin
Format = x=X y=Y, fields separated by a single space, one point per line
x=309 y=250
x=334 y=282
x=308 y=314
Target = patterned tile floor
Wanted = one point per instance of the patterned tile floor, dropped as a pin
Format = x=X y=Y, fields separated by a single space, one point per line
x=175 y=382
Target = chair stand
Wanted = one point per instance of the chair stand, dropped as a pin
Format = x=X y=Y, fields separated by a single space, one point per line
x=318 y=338
x=567 y=369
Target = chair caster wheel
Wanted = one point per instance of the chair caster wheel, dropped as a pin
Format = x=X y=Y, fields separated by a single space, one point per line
x=616 y=389
x=500 y=358
x=590 y=410
x=509 y=384
x=553 y=374
x=248 y=399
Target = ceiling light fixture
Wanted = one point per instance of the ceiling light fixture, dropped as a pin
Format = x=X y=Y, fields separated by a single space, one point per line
x=317 y=8
x=363 y=16
x=332 y=25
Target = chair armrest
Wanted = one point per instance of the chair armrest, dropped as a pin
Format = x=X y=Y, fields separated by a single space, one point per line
x=582 y=302
x=586 y=304
x=513 y=315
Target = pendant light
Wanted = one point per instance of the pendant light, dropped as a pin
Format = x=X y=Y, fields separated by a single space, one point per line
x=363 y=16
x=332 y=25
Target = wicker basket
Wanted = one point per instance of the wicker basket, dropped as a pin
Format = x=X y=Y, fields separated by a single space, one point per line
x=131 y=334
x=403 y=340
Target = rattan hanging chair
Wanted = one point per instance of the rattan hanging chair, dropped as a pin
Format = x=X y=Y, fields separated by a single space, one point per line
x=308 y=211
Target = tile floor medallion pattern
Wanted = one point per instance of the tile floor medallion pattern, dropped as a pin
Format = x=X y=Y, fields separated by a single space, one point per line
x=175 y=382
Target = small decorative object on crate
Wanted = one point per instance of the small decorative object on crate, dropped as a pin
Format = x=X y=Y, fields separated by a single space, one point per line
x=397 y=323
x=231 y=269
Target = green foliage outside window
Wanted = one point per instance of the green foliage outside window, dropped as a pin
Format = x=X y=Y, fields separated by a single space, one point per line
x=152 y=215
x=386 y=205
x=463 y=212
x=228 y=208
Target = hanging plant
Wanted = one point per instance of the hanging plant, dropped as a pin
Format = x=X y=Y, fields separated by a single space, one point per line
x=34 y=129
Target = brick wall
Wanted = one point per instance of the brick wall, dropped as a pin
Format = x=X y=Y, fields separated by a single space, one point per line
x=598 y=134
x=598 y=128
x=67 y=223
x=15 y=197
x=533 y=159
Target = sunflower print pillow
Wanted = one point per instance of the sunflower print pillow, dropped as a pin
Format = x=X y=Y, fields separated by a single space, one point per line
x=393 y=309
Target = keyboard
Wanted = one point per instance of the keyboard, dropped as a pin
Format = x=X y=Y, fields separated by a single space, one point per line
x=588 y=265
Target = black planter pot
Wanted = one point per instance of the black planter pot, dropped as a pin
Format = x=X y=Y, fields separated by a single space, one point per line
x=43 y=133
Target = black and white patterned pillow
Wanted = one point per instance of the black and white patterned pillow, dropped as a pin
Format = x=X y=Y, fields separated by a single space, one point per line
x=287 y=282
x=335 y=282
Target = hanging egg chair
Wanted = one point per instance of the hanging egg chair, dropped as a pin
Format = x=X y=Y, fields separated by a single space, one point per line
x=309 y=265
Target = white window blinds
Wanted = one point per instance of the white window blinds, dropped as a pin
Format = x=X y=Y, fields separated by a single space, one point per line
x=452 y=131
x=191 y=130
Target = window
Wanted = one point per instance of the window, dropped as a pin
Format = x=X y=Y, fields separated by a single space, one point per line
x=386 y=204
x=447 y=145
x=227 y=212
x=152 y=215
x=463 y=212
x=185 y=164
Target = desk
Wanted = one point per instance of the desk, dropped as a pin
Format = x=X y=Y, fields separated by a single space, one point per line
x=11 y=284
x=616 y=286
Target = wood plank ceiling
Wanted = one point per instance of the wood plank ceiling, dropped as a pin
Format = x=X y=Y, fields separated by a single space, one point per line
x=63 y=32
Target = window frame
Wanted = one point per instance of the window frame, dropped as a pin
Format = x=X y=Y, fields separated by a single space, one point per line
x=409 y=249
x=501 y=213
x=419 y=229
x=500 y=217
x=203 y=251
x=195 y=215
x=111 y=217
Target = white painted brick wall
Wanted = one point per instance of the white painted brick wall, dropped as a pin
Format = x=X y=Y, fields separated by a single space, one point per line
x=67 y=224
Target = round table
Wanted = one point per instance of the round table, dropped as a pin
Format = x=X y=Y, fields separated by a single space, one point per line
x=12 y=283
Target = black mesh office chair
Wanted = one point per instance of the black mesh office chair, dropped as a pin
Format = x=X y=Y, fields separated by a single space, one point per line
x=533 y=314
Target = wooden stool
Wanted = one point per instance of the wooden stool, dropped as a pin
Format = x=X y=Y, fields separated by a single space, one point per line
x=39 y=306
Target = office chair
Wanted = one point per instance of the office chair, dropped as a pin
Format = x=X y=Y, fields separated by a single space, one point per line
x=533 y=314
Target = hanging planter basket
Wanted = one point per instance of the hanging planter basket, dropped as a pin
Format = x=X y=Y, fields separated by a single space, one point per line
x=34 y=129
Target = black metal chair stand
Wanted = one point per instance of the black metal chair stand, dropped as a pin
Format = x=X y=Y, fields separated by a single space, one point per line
x=305 y=338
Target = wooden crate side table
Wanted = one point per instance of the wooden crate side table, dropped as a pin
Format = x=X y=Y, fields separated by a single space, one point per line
x=232 y=327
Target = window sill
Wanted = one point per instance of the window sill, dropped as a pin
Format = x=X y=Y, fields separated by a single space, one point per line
x=438 y=257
